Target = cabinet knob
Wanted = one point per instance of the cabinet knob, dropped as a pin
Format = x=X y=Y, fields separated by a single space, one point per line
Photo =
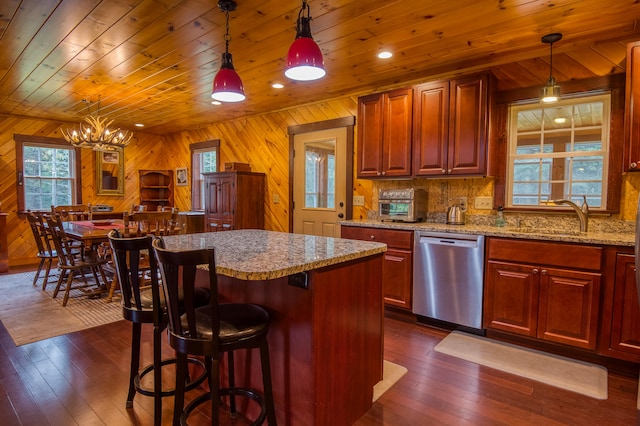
x=449 y=171
x=535 y=271
x=384 y=173
x=444 y=171
x=378 y=173
x=633 y=165
x=544 y=272
x=373 y=237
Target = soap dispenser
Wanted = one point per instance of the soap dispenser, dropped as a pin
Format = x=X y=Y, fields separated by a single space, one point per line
x=500 y=217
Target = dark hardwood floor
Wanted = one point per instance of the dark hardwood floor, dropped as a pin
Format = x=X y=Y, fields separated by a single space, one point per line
x=81 y=379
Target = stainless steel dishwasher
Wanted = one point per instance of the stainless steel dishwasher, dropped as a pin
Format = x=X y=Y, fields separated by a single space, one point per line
x=448 y=277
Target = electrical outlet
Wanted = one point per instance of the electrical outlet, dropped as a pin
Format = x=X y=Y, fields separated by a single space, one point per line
x=358 y=200
x=483 y=203
x=276 y=199
x=463 y=202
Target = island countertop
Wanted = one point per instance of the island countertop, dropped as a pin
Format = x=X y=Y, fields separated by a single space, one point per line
x=252 y=254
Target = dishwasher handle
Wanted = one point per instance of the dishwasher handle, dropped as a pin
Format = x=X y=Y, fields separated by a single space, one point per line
x=449 y=242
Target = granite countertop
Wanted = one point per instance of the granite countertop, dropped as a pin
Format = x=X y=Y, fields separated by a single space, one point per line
x=529 y=233
x=261 y=255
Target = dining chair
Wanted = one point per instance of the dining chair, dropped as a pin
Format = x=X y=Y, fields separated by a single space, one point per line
x=73 y=212
x=69 y=264
x=210 y=331
x=46 y=250
x=143 y=303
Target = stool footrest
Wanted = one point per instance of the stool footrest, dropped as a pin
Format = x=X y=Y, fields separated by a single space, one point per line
x=169 y=392
x=246 y=392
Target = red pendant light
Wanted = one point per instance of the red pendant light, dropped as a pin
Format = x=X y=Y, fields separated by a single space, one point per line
x=227 y=86
x=304 y=60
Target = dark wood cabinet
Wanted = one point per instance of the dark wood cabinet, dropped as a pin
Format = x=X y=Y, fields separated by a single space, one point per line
x=450 y=127
x=621 y=314
x=397 y=269
x=234 y=200
x=384 y=134
x=632 y=109
x=550 y=291
x=156 y=188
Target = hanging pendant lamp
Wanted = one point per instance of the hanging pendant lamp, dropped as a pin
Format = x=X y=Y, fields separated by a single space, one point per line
x=551 y=91
x=227 y=86
x=304 y=60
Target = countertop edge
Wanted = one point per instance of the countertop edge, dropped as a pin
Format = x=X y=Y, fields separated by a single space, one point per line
x=596 y=238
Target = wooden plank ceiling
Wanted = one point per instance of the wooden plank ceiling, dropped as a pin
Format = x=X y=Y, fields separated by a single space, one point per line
x=153 y=61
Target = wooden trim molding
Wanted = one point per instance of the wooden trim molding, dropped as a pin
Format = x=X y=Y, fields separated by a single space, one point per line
x=348 y=122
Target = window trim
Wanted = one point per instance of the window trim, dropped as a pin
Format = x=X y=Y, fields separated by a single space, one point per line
x=21 y=141
x=614 y=83
x=514 y=108
x=193 y=148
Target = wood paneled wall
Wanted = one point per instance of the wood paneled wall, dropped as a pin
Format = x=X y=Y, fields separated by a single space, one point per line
x=145 y=152
x=261 y=141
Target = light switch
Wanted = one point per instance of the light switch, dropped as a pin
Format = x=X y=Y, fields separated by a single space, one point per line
x=276 y=199
x=358 y=200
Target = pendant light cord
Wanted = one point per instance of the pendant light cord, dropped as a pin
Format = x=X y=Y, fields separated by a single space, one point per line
x=227 y=37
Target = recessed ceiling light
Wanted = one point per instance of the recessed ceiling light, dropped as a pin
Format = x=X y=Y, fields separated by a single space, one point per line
x=139 y=125
x=385 y=55
x=216 y=103
x=560 y=120
x=277 y=85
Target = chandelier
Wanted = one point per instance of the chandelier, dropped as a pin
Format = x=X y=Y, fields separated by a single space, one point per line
x=96 y=134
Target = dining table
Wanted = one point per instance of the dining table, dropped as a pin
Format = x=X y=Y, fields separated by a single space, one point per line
x=94 y=234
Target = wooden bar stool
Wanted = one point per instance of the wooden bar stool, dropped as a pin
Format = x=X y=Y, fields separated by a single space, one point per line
x=143 y=303
x=209 y=331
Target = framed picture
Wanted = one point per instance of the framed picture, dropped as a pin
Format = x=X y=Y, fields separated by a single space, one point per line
x=182 y=177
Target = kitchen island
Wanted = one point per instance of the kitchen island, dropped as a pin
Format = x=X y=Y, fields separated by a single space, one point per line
x=324 y=296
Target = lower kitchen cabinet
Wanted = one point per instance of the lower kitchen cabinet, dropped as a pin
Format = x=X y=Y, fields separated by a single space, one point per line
x=621 y=318
x=397 y=269
x=550 y=291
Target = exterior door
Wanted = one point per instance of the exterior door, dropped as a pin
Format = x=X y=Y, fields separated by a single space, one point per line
x=319 y=182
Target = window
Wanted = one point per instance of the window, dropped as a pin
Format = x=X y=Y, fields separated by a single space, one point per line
x=559 y=151
x=204 y=159
x=48 y=173
x=320 y=165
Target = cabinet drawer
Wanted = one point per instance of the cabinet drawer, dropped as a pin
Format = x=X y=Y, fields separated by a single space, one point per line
x=391 y=237
x=552 y=254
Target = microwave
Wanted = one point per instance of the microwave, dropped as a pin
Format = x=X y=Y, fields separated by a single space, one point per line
x=402 y=205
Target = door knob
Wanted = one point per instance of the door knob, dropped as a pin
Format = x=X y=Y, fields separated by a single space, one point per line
x=340 y=215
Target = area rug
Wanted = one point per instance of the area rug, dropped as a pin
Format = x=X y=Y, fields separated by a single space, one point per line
x=391 y=373
x=30 y=315
x=565 y=373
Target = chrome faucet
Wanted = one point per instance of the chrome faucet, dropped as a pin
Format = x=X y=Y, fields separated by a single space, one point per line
x=581 y=211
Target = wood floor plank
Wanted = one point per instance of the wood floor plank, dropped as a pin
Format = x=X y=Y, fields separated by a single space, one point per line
x=82 y=379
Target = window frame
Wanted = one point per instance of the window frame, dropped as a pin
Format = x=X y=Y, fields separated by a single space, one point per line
x=196 y=185
x=566 y=156
x=613 y=83
x=28 y=140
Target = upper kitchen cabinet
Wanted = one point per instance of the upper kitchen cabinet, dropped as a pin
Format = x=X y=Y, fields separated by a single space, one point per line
x=384 y=134
x=451 y=127
x=632 y=109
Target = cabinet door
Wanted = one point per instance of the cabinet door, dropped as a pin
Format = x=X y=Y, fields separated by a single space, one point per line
x=569 y=307
x=511 y=298
x=397 y=124
x=632 y=109
x=431 y=128
x=226 y=198
x=396 y=278
x=211 y=197
x=370 y=134
x=468 y=125
x=625 y=325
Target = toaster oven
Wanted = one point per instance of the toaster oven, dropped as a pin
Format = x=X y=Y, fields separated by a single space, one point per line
x=402 y=205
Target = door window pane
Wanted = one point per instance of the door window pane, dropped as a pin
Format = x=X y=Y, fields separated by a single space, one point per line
x=320 y=176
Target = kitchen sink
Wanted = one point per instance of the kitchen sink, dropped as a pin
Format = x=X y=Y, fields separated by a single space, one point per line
x=546 y=231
